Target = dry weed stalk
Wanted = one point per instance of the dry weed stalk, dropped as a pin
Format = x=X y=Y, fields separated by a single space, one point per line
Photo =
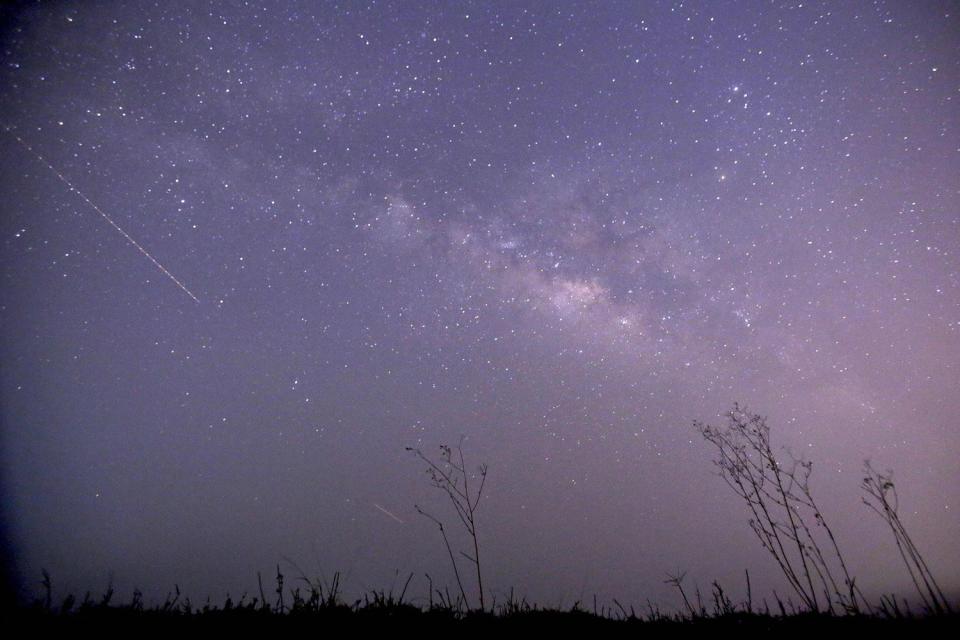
x=451 y=476
x=881 y=497
x=785 y=516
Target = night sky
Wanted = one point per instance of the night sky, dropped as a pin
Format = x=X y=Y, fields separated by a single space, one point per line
x=563 y=231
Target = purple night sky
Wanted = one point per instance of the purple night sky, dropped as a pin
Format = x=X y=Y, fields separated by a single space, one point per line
x=562 y=230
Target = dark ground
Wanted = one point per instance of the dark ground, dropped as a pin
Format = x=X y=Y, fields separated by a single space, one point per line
x=377 y=615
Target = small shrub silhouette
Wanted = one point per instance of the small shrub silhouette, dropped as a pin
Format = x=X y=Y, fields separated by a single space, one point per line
x=881 y=498
x=784 y=515
x=451 y=476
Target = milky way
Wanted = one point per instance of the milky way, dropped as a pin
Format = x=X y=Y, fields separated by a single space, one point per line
x=564 y=231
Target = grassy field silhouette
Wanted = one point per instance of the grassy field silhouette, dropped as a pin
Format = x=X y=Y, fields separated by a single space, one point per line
x=785 y=518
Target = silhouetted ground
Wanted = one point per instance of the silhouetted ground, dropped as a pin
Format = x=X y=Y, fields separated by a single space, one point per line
x=403 y=617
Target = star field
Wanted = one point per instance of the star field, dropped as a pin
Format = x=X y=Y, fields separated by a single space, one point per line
x=562 y=230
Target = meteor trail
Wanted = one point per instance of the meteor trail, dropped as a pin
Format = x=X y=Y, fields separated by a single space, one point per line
x=102 y=213
x=388 y=513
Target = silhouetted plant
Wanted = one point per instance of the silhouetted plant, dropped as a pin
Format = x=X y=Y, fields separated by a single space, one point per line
x=451 y=476
x=677 y=582
x=881 y=497
x=322 y=594
x=47 y=589
x=280 y=605
x=785 y=516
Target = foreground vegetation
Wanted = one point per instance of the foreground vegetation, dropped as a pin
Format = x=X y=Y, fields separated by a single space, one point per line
x=317 y=607
x=784 y=516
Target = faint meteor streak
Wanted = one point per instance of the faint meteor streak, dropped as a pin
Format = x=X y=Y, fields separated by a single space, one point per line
x=93 y=206
x=388 y=513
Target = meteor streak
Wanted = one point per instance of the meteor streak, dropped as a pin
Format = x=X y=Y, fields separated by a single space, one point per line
x=93 y=206
x=388 y=513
